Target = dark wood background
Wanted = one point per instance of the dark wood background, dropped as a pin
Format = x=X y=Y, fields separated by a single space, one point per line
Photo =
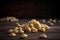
x=28 y=8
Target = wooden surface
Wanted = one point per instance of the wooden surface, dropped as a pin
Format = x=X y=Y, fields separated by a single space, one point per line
x=53 y=33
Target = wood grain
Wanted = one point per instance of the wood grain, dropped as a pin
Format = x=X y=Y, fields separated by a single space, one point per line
x=53 y=33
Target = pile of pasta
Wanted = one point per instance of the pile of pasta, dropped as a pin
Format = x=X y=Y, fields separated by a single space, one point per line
x=11 y=19
x=31 y=26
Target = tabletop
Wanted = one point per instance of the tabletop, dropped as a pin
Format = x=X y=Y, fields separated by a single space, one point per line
x=52 y=33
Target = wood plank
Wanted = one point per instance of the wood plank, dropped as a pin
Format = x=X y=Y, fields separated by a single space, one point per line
x=53 y=33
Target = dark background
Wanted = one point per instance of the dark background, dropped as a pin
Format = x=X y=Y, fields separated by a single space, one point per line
x=29 y=9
